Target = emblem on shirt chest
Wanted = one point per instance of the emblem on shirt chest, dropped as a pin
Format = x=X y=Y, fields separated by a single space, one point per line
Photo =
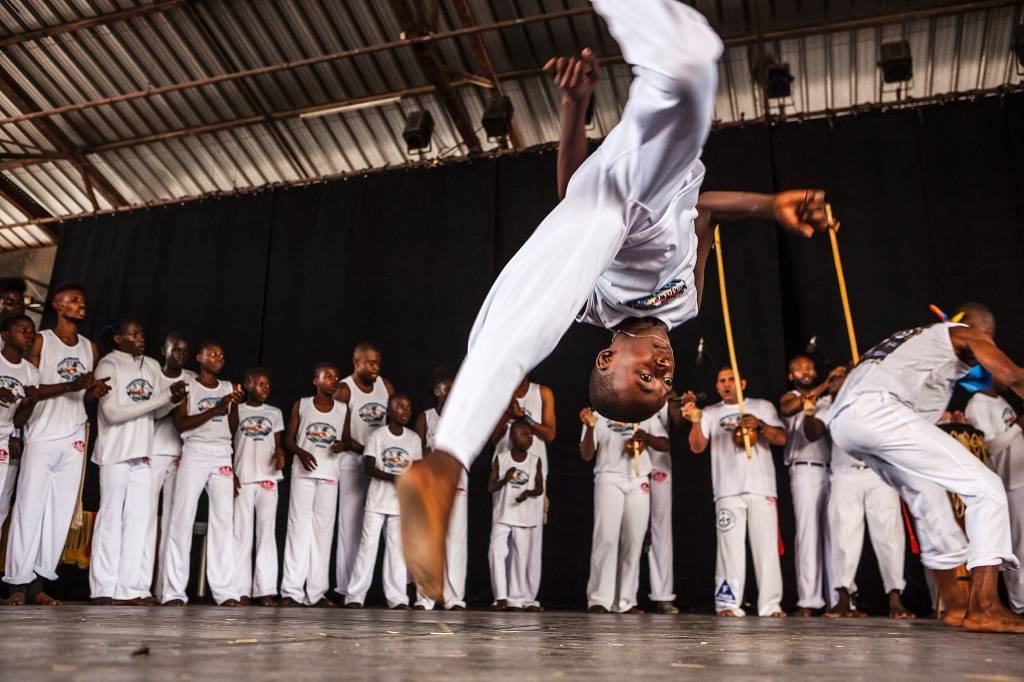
x=12 y=385
x=395 y=460
x=139 y=390
x=70 y=369
x=255 y=427
x=373 y=414
x=321 y=434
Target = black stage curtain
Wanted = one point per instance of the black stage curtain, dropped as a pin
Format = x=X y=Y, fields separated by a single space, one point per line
x=931 y=205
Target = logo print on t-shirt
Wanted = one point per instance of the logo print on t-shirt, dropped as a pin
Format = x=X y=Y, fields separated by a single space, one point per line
x=373 y=414
x=663 y=295
x=1009 y=416
x=885 y=348
x=13 y=385
x=321 y=434
x=70 y=369
x=395 y=460
x=621 y=428
x=208 y=404
x=519 y=478
x=139 y=390
x=256 y=427
x=729 y=422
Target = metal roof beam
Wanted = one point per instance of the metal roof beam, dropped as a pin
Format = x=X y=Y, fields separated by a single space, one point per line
x=90 y=22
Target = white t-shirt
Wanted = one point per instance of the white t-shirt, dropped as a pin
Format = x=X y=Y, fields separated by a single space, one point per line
x=994 y=416
x=506 y=510
x=63 y=415
x=622 y=242
x=317 y=433
x=392 y=454
x=798 y=448
x=918 y=366
x=166 y=439
x=532 y=405
x=16 y=378
x=731 y=472
x=127 y=411
x=215 y=431
x=610 y=437
x=369 y=413
x=255 y=443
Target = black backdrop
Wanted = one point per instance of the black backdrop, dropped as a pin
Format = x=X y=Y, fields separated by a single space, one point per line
x=931 y=201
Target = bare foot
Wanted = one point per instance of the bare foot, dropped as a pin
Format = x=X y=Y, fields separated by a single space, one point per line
x=230 y=603
x=534 y=608
x=457 y=608
x=324 y=603
x=102 y=601
x=353 y=605
x=400 y=607
x=266 y=601
x=952 y=596
x=953 y=617
x=174 y=602
x=43 y=599
x=499 y=605
x=835 y=613
x=244 y=601
x=726 y=614
x=778 y=614
x=425 y=495
x=896 y=609
x=16 y=599
x=985 y=612
x=289 y=602
x=803 y=612
x=419 y=607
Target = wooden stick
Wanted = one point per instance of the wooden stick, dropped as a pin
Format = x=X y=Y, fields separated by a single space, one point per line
x=729 y=341
x=854 y=353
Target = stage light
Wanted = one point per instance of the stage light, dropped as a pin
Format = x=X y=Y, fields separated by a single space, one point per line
x=775 y=78
x=497 y=119
x=896 y=62
x=419 y=127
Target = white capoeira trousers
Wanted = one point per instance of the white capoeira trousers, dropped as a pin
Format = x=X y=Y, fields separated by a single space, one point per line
x=660 y=558
x=1014 y=578
x=46 y=499
x=352 y=485
x=859 y=495
x=307 y=548
x=810 y=485
x=395 y=576
x=202 y=467
x=8 y=480
x=256 y=514
x=622 y=509
x=456 y=554
x=163 y=472
x=509 y=557
x=116 y=568
x=738 y=516
x=533 y=563
x=922 y=462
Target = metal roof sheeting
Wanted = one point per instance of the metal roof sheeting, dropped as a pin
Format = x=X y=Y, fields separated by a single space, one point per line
x=247 y=132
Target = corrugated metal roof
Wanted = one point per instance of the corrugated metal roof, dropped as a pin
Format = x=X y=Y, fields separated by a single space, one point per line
x=240 y=133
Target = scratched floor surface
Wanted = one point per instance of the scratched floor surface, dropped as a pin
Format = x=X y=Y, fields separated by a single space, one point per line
x=95 y=643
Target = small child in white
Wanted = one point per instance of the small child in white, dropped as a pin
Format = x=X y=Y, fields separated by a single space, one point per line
x=318 y=431
x=19 y=381
x=388 y=454
x=259 y=460
x=517 y=476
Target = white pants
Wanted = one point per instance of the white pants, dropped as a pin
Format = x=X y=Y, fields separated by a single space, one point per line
x=46 y=499
x=307 y=549
x=202 y=467
x=739 y=516
x=116 y=568
x=622 y=508
x=660 y=559
x=533 y=562
x=809 y=484
x=509 y=559
x=8 y=480
x=352 y=484
x=922 y=461
x=1014 y=578
x=456 y=550
x=256 y=510
x=858 y=495
x=395 y=576
x=163 y=472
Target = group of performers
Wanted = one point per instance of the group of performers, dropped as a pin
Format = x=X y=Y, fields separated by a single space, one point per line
x=625 y=249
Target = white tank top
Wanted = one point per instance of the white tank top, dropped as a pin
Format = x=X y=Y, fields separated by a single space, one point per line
x=15 y=378
x=798 y=448
x=64 y=415
x=216 y=431
x=369 y=413
x=506 y=509
x=532 y=405
x=431 y=418
x=317 y=432
x=918 y=366
x=166 y=439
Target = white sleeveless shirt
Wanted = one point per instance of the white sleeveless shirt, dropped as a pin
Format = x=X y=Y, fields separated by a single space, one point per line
x=369 y=413
x=15 y=378
x=317 y=432
x=64 y=415
x=918 y=366
x=506 y=510
x=532 y=404
x=166 y=439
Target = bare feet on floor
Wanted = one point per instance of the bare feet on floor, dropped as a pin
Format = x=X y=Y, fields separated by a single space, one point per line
x=986 y=613
x=425 y=495
x=803 y=612
x=43 y=599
